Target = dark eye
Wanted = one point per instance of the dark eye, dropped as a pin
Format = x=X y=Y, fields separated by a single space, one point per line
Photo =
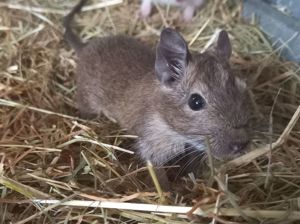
x=196 y=102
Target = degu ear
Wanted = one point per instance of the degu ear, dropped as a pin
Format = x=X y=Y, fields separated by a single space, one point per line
x=171 y=57
x=223 y=45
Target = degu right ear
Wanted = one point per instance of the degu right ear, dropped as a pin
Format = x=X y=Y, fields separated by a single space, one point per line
x=171 y=57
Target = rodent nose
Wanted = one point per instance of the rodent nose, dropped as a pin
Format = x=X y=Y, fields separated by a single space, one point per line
x=239 y=146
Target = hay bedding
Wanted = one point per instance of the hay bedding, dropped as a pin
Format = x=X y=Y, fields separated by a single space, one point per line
x=45 y=152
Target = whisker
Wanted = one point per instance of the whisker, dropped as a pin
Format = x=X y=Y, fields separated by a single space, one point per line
x=191 y=145
x=173 y=156
x=183 y=168
x=185 y=154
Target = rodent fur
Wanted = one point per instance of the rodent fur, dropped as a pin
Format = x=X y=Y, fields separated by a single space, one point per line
x=147 y=92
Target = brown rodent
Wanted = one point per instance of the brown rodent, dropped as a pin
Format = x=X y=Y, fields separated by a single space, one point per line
x=170 y=99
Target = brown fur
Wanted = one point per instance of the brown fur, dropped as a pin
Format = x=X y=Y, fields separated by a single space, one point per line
x=116 y=76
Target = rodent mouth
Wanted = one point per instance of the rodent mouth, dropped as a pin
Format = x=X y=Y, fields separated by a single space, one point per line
x=231 y=153
x=222 y=151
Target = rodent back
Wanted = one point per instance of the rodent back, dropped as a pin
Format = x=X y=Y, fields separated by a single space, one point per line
x=118 y=71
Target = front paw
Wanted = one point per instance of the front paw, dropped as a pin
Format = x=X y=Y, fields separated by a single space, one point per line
x=145 y=8
x=145 y=12
x=188 y=13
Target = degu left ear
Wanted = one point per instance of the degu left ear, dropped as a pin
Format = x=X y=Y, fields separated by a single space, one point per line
x=223 y=46
x=171 y=57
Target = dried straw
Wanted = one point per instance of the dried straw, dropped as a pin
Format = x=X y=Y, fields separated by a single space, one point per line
x=49 y=156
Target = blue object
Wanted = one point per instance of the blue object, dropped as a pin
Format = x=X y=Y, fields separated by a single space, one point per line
x=283 y=30
x=288 y=7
